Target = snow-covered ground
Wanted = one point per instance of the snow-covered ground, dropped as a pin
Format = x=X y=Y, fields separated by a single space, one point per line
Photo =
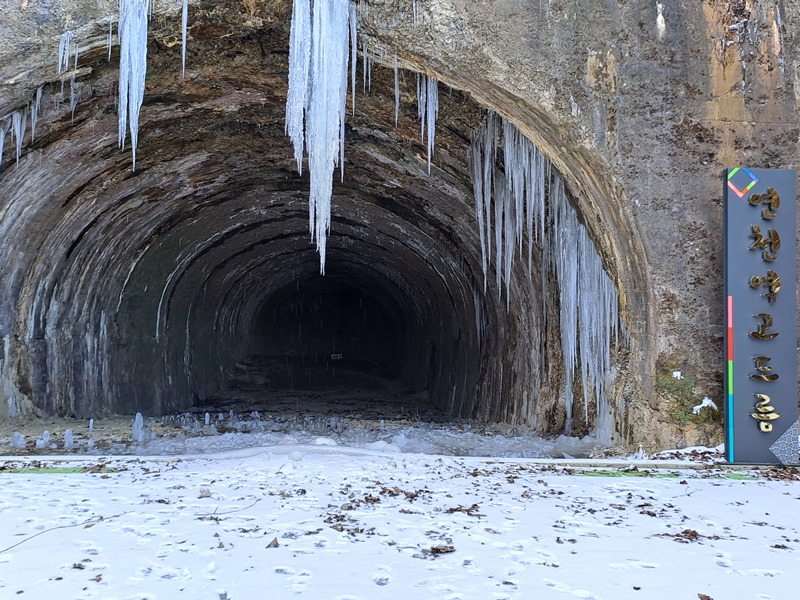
x=328 y=521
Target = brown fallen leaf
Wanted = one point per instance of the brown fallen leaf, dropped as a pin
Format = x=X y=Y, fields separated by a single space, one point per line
x=97 y=578
x=274 y=543
x=442 y=549
x=704 y=597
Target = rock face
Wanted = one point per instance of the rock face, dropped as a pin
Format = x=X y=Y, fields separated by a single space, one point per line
x=126 y=291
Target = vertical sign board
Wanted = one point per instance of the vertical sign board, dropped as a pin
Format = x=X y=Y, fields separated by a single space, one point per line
x=761 y=416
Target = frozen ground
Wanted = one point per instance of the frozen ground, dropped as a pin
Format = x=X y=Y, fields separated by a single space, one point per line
x=307 y=501
x=329 y=521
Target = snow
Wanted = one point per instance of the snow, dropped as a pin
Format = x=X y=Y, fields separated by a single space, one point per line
x=705 y=403
x=332 y=522
x=132 y=31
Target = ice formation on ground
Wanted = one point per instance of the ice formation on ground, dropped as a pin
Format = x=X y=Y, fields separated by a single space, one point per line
x=529 y=200
x=18 y=441
x=68 y=440
x=140 y=433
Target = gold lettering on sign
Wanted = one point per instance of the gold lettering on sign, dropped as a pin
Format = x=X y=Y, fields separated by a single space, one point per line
x=765 y=413
x=762 y=333
x=764 y=370
x=771 y=201
x=771 y=281
x=769 y=245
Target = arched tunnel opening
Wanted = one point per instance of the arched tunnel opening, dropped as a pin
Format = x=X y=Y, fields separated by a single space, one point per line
x=191 y=282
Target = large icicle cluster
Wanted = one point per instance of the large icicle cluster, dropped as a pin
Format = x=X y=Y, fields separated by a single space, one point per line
x=133 y=15
x=318 y=60
x=527 y=199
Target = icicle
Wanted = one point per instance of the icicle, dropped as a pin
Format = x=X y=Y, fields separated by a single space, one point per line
x=109 y=40
x=5 y=125
x=366 y=65
x=184 y=23
x=500 y=192
x=353 y=54
x=35 y=106
x=432 y=105
x=325 y=110
x=64 y=49
x=422 y=100
x=396 y=91
x=19 y=119
x=299 y=65
x=132 y=68
x=74 y=95
x=588 y=300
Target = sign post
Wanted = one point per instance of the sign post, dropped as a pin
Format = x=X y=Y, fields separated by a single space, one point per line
x=761 y=414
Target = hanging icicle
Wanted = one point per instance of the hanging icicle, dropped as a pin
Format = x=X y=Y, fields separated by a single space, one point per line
x=431 y=114
x=184 y=24
x=110 y=38
x=5 y=125
x=65 y=50
x=35 y=107
x=132 y=68
x=318 y=61
x=353 y=53
x=19 y=119
x=299 y=65
x=396 y=91
x=427 y=110
x=529 y=200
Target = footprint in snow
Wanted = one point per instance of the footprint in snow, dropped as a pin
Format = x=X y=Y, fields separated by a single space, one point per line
x=634 y=564
x=723 y=560
x=383 y=575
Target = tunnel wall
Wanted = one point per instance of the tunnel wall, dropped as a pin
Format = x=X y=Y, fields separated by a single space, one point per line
x=639 y=114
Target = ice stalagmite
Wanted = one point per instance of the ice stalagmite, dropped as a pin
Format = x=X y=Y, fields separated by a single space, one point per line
x=132 y=68
x=529 y=200
x=318 y=90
